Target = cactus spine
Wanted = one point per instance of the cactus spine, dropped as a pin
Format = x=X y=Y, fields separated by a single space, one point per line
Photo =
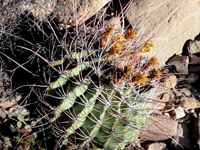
x=99 y=114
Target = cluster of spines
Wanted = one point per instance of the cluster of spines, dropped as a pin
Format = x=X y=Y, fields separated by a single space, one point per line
x=118 y=105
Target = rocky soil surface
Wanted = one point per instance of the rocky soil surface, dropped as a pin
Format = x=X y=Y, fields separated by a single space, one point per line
x=176 y=120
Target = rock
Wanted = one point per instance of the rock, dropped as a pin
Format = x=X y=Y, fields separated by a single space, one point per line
x=10 y=101
x=167 y=114
x=39 y=8
x=172 y=24
x=168 y=107
x=180 y=63
x=76 y=12
x=176 y=92
x=158 y=90
x=195 y=59
x=179 y=112
x=192 y=78
x=185 y=91
x=159 y=128
x=193 y=47
x=190 y=103
x=170 y=81
x=158 y=105
x=160 y=102
x=182 y=138
x=166 y=96
x=171 y=96
x=156 y=146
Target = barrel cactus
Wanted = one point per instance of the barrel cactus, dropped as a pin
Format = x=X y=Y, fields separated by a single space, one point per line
x=97 y=99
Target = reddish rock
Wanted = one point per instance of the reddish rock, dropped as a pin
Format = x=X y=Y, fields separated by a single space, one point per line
x=159 y=128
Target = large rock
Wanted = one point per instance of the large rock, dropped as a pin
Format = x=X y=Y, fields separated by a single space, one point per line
x=67 y=12
x=159 y=128
x=169 y=22
x=77 y=12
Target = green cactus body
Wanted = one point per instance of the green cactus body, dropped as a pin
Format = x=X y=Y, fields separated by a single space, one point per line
x=96 y=115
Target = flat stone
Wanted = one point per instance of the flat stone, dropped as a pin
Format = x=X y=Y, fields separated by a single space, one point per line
x=179 y=112
x=156 y=146
x=159 y=128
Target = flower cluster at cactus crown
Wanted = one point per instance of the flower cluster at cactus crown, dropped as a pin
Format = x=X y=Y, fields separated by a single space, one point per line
x=132 y=66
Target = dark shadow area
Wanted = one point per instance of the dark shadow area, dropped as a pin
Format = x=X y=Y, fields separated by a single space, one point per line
x=22 y=47
x=185 y=47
